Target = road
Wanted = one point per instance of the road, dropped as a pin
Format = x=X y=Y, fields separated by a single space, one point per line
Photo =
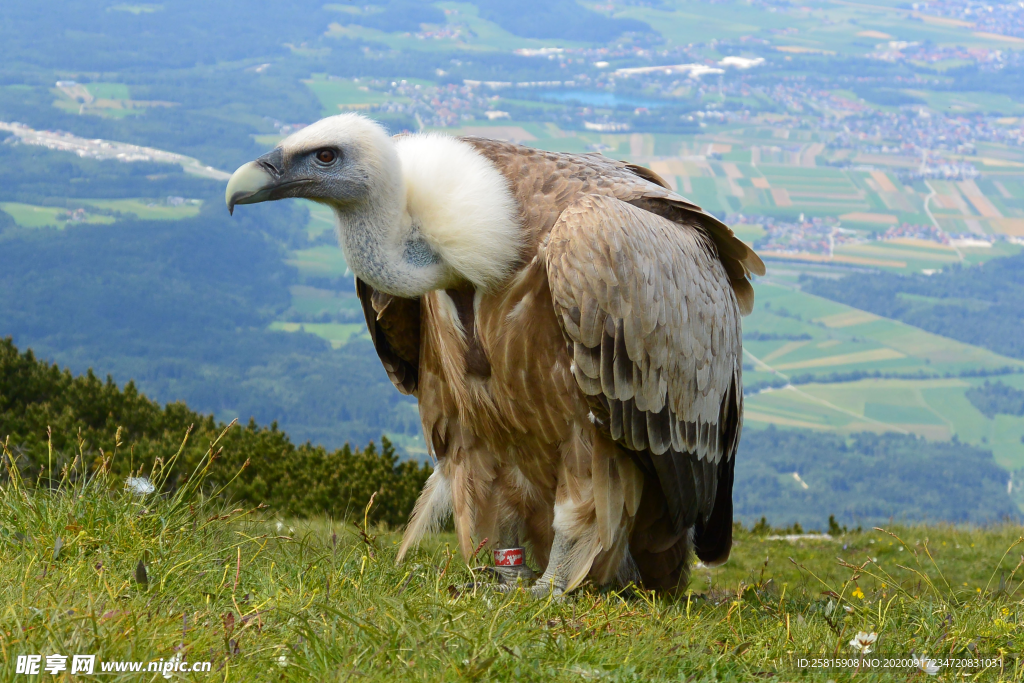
x=108 y=149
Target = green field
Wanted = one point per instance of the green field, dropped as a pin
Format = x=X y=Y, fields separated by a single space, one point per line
x=337 y=95
x=108 y=91
x=314 y=301
x=95 y=569
x=338 y=334
x=818 y=26
x=29 y=216
x=135 y=9
x=922 y=394
x=149 y=210
x=321 y=220
x=462 y=30
x=324 y=261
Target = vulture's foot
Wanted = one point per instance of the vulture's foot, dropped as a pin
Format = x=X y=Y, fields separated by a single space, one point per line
x=508 y=578
x=553 y=582
x=548 y=587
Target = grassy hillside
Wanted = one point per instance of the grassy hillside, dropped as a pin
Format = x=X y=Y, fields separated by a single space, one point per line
x=95 y=569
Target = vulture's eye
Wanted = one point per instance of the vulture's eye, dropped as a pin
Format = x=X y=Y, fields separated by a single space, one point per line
x=326 y=156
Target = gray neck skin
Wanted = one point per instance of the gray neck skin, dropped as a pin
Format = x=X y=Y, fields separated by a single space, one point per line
x=384 y=248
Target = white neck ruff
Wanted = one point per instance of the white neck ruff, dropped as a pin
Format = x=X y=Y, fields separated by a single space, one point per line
x=461 y=206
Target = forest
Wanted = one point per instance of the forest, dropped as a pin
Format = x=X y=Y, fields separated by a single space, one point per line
x=866 y=479
x=996 y=398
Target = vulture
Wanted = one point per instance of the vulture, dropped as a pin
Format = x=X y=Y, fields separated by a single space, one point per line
x=571 y=329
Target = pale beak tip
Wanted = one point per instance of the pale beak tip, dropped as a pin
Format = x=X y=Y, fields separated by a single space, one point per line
x=247 y=186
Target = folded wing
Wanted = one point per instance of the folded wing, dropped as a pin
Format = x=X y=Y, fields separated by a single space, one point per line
x=652 y=322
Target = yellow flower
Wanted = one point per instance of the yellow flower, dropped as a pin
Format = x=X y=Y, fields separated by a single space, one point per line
x=858 y=593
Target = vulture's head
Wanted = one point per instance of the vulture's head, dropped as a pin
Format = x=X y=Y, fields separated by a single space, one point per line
x=343 y=160
x=414 y=213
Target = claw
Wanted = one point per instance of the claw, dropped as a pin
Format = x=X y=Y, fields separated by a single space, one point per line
x=548 y=588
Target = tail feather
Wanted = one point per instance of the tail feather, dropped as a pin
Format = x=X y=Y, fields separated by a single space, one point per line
x=432 y=509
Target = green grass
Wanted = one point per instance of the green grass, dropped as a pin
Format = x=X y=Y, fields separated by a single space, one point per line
x=93 y=569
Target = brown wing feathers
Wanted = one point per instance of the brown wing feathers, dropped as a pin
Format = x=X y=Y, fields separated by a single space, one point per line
x=654 y=336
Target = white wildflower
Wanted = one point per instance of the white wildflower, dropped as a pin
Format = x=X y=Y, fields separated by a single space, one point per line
x=282 y=661
x=863 y=641
x=929 y=666
x=140 y=486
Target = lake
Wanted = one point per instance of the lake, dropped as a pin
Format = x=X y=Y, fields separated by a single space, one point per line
x=600 y=98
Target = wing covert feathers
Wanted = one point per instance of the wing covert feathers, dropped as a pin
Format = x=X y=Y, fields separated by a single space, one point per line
x=652 y=318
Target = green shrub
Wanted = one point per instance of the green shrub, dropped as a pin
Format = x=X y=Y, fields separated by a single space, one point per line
x=51 y=419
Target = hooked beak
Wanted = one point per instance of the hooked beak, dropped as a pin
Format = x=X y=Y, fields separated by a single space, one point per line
x=260 y=181
x=248 y=185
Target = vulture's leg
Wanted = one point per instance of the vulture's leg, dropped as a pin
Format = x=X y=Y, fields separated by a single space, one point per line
x=594 y=512
x=553 y=581
x=511 y=577
x=573 y=549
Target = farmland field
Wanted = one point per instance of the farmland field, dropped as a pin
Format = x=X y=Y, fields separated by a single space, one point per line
x=148 y=210
x=921 y=392
x=337 y=334
x=29 y=216
x=325 y=261
x=340 y=95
